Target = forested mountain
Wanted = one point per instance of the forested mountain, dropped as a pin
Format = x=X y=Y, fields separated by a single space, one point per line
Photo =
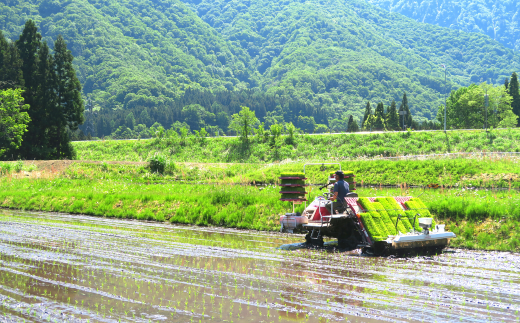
x=498 y=19
x=135 y=52
x=342 y=53
x=320 y=58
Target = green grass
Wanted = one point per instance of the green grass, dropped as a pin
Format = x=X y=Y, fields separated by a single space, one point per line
x=483 y=172
x=218 y=194
x=218 y=205
x=306 y=147
x=481 y=219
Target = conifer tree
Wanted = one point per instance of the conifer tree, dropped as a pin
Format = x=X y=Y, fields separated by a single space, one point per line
x=392 y=117
x=45 y=96
x=379 y=121
x=368 y=112
x=408 y=116
x=506 y=84
x=354 y=126
x=69 y=103
x=10 y=65
x=28 y=46
x=514 y=92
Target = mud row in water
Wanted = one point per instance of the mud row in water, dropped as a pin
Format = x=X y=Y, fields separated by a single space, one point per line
x=69 y=268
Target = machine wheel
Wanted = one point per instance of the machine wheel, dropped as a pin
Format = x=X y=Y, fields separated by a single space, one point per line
x=315 y=242
x=319 y=242
x=369 y=251
x=378 y=250
x=349 y=243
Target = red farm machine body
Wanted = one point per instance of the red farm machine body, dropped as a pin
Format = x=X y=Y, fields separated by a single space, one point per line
x=377 y=225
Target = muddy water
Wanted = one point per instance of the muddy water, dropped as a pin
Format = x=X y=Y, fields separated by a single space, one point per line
x=62 y=268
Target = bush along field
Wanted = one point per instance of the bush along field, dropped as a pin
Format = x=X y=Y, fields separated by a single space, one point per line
x=300 y=147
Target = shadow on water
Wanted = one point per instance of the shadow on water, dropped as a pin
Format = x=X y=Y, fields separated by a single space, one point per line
x=61 y=268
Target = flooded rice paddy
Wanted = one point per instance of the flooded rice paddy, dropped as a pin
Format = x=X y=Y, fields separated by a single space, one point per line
x=64 y=268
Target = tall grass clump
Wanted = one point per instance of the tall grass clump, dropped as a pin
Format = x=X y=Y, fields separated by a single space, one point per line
x=157 y=164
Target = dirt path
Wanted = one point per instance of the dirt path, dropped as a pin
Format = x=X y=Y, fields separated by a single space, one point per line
x=63 y=268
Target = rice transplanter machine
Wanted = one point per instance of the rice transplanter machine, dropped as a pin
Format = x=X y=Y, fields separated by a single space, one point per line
x=377 y=225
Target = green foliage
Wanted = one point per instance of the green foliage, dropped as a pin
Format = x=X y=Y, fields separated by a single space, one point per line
x=51 y=89
x=514 y=91
x=220 y=205
x=466 y=108
x=352 y=124
x=184 y=148
x=243 y=123
x=144 y=54
x=157 y=164
x=475 y=16
x=13 y=119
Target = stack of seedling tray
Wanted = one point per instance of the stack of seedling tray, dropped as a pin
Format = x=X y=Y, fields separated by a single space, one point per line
x=349 y=178
x=292 y=187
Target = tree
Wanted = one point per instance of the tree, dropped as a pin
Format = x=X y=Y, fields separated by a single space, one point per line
x=338 y=125
x=11 y=75
x=13 y=119
x=44 y=113
x=195 y=115
x=466 y=108
x=408 y=115
x=379 y=122
x=321 y=128
x=243 y=123
x=515 y=94
x=506 y=84
x=276 y=132
x=352 y=124
x=292 y=131
x=70 y=107
x=28 y=46
x=130 y=120
x=306 y=123
x=392 y=117
x=369 y=123
x=368 y=112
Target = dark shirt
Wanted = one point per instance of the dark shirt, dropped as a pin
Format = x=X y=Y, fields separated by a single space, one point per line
x=342 y=188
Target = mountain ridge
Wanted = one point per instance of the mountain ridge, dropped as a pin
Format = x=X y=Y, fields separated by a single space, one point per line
x=329 y=55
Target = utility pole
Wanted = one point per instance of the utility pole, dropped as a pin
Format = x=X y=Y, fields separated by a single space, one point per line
x=445 y=96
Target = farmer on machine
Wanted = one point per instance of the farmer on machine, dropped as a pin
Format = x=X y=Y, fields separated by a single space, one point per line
x=341 y=190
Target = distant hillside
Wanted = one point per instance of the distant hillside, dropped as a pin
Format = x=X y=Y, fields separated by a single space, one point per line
x=498 y=19
x=328 y=57
x=135 y=52
x=345 y=52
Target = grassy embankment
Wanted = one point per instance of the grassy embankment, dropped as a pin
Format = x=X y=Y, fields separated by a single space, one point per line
x=481 y=218
x=303 y=147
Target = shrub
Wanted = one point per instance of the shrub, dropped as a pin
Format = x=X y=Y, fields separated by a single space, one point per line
x=18 y=166
x=157 y=164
